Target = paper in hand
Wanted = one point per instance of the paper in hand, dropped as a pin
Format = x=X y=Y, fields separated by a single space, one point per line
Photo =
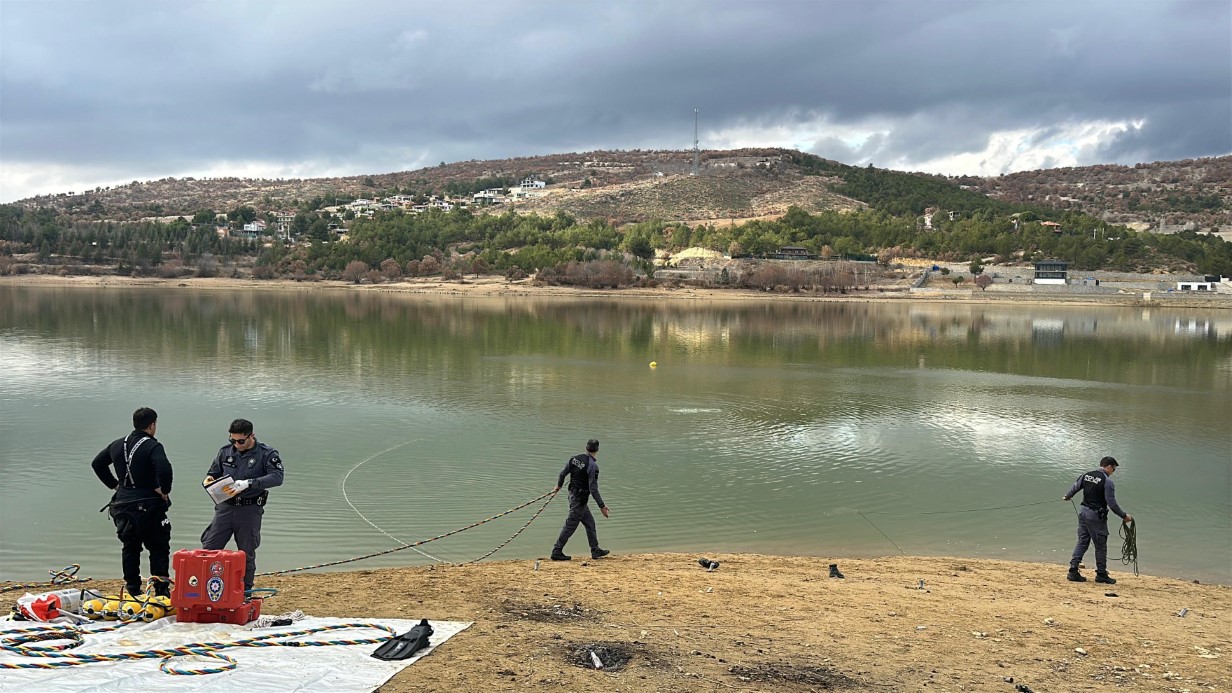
x=222 y=489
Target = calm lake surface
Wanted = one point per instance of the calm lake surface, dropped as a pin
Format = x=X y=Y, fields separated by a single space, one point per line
x=828 y=429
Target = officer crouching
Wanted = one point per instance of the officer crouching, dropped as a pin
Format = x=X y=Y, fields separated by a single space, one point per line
x=255 y=468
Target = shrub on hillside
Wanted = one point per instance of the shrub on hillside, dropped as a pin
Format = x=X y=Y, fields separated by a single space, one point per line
x=597 y=274
x=354 y=271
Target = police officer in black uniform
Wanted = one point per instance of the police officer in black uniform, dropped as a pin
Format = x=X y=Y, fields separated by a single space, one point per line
x=142 y=484
x=256 y=468
x=583 y=473
x=1098 y=497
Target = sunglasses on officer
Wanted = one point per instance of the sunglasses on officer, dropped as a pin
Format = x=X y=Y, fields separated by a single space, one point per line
x=240 y=440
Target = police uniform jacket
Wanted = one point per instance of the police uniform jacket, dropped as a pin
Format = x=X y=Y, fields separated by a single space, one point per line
x=260 y=464
x=1098 y=493
x=583 y=473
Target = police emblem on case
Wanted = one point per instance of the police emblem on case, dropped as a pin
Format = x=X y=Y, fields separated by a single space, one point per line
x=213 y=589
x=216 y=568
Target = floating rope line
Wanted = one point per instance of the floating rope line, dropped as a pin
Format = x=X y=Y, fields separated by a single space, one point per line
x=20 y=641
x=940 y=512
x=67 y=576
x=372 y=524
x=968 y=510
x=549 y=495
x=1129 y=543
x=900 y=549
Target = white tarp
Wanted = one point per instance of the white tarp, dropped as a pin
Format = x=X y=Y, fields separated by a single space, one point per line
x=329 y=668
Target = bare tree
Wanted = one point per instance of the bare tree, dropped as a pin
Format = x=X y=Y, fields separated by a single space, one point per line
x=355 y=271
x=390 y=269
x=429 y=266
x=207 y=266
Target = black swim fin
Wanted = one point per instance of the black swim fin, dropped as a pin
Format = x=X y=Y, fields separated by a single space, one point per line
x=405 y=645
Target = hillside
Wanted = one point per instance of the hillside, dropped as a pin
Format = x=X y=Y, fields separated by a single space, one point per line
x=638 y=185
x=1194 y=194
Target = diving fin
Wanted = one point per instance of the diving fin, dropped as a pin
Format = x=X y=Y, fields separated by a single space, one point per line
x=405 y=645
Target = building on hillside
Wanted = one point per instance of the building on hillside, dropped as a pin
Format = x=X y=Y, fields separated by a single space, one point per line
x=1195 y=286
x=532 y=183
x=490 y=196
x=283 y=221
x=1056 y=228
x=1052 y=272
x=793 y=252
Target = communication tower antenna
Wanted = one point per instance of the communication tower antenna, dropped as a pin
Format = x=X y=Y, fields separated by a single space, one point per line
x=695 y=149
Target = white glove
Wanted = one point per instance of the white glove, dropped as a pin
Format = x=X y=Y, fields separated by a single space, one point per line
x=242 y=485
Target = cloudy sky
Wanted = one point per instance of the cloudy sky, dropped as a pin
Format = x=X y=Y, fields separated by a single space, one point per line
x=98 y=93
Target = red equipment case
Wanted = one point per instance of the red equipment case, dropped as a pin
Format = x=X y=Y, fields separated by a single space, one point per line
x=209 y=587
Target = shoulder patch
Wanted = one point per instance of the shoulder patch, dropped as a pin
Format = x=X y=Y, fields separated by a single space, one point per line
x=276 y=462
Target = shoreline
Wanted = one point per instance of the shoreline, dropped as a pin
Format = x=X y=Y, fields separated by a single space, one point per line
x=781 y=623
x=498 y=287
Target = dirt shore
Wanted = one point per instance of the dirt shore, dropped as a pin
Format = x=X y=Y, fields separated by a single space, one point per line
x=493 y=286
x=660 y=622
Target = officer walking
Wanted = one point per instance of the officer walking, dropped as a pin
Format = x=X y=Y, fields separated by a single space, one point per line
x=583 y=473
x=256 y=468
x=142 y=484
x=1098 y=497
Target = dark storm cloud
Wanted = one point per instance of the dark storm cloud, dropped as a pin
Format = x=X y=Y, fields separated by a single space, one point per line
x=132 y=89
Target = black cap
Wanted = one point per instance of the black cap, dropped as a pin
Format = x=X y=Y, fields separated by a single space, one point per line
x=1109 y=462
x=592 y=445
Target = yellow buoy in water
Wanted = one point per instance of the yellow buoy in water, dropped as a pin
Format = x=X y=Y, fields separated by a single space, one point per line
x=654 y=364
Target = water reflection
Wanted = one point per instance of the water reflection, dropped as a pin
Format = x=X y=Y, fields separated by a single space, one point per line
x=766 y=426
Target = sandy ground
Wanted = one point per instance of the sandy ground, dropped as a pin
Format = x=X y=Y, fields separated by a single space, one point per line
x=660 y=622
x=493 y=286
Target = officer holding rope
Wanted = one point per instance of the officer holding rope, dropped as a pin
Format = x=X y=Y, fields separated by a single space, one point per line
x=256 y=468
x=1098 y=497
x=583 y=473
x=142 y=484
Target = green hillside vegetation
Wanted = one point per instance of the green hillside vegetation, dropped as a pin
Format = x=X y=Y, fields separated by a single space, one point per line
x=965 y=225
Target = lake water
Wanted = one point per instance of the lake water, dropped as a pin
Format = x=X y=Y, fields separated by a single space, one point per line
x=816 y=428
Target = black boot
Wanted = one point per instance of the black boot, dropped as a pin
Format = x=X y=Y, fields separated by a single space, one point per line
x=1105 y=579
x=560 y=556
x=598 y=553
x=834 y=571
x=1075 y=576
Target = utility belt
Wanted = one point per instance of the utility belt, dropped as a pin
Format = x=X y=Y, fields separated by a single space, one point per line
x=259 y=500
x=1101 y=510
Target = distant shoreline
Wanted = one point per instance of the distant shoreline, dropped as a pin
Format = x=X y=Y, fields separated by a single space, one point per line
x=497 y=287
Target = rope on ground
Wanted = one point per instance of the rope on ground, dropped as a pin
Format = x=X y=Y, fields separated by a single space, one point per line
x=549 y=495
x=1129 y=543
x=66 y=576
x=20 y=641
